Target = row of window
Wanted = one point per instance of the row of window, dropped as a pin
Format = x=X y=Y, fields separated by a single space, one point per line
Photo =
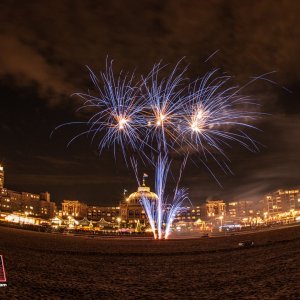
x=186 y=218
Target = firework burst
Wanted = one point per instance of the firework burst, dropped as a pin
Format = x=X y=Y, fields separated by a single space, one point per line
x=154 y=116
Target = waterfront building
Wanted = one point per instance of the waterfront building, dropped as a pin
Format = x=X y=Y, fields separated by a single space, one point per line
x=282 y=201
x=47 y=209
x=74 y=208
x=33 y=205
x=215 y=208
x=241 y=209
x=188 y=214
x=29 y=204
x=130 y=208
x=108 y=213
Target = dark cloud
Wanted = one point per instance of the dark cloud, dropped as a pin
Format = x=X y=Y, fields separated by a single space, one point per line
x=44 y=46
x=60 y=37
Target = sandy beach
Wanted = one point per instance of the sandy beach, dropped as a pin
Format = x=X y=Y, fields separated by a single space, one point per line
x=54 y=266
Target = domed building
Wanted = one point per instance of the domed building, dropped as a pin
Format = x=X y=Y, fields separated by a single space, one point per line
x=131 y=209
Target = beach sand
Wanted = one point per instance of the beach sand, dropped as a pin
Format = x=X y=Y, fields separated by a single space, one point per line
x=55 y=266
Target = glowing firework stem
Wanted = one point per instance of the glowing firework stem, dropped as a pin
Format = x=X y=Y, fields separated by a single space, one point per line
x=155 y=116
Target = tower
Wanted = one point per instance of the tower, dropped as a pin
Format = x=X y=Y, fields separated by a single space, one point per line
x=1 y=176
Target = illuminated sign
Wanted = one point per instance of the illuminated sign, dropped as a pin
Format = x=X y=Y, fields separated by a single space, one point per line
x=2 y=270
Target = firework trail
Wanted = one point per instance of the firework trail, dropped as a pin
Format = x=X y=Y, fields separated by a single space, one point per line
x=162 y=212
x=150 y=208
x=180 y=197
x=154 y=116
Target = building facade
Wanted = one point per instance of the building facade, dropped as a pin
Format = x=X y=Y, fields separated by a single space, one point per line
x=241 y=209
x=107 y=213
x=74 y=208
x=188 y=214
x=33 y=205
x=282 y=201
x=131 y=209
x=215 y=209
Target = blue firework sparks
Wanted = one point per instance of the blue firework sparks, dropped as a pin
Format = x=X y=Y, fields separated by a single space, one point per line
x=161 y=212
x=152 y=116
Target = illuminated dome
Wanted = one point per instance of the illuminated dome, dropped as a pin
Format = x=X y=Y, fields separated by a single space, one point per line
x=143 y=191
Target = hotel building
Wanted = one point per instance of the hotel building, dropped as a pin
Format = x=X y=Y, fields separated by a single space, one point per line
x=108 y=213
x=74 y=208
x=189 y=214
x=240 y=209
x=282 y=201
x=34 y=205
x=215 y=209
x=130 y=207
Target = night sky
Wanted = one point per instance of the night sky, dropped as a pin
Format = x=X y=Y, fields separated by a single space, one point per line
x=45 y=45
